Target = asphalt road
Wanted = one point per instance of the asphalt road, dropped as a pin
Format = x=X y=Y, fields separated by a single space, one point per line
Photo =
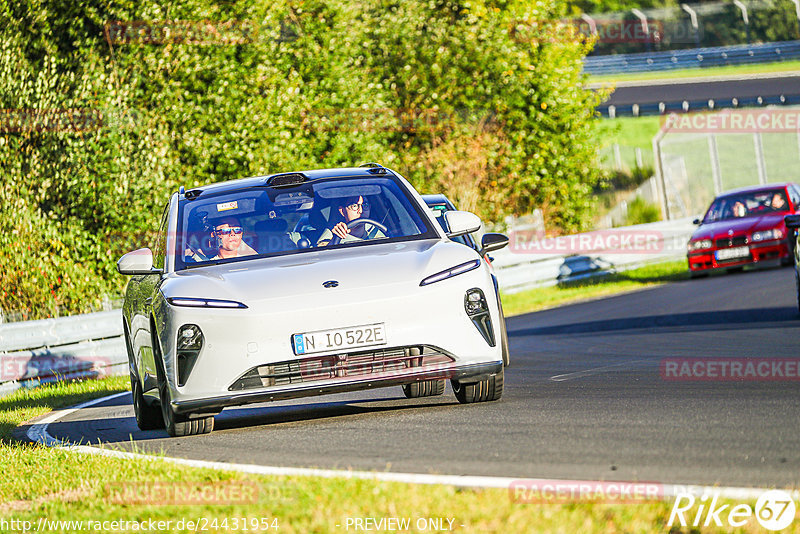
x=583 y=400
x=655 y=92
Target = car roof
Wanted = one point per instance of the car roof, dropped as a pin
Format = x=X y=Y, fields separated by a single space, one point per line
x=314 y=174
x=755 y=188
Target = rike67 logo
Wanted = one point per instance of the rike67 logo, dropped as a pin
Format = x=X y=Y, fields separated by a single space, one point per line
x=774 y=510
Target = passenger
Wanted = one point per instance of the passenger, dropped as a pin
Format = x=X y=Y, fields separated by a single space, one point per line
x=350 y=209
x=739 y=209
x=228 y=235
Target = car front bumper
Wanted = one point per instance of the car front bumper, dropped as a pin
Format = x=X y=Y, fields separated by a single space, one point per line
x=767 y=252
x=464 y=373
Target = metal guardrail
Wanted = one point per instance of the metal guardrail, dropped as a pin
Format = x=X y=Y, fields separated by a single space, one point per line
x=89 y=345
x=36 y=352
x=522 y=266
x=692 y=58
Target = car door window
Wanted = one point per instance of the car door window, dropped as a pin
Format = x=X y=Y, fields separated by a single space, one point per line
x=794 y=194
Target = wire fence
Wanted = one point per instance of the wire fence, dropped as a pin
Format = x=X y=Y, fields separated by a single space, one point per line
x=693 y=26
x=699 y=156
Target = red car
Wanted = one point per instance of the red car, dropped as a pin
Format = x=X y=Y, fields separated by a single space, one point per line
x=745 y=227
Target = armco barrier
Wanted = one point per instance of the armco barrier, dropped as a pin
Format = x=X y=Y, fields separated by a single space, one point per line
x=533 y=266
x=34 y=352
x=692 y=58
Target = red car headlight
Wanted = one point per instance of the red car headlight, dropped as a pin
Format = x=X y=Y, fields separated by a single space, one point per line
x=699 y=244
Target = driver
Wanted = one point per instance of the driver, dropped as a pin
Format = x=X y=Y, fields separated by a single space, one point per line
x=351 y=209
x=227 y=234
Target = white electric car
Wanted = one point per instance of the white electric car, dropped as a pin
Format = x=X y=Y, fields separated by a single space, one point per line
x=301 y=284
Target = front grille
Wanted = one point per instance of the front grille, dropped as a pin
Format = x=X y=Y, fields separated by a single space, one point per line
x=317 y=368
x=726 y=242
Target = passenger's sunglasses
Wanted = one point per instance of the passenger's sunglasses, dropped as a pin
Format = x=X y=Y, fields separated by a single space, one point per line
x=227 y=231
x=355 y=207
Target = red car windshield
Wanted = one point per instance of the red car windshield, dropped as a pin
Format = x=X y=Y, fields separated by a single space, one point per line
x=747 y=205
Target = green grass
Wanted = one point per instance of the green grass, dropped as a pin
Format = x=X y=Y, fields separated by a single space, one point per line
x=729 y=70
x=592 y=288
x=60 y=485
x=628 y=131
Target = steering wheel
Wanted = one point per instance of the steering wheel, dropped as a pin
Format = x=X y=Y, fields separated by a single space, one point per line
x=335 y=240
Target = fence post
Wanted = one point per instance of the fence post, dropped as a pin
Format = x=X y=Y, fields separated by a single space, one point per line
x=659 y=167
x=716 y=174
x=617 y=158
x=760 y=163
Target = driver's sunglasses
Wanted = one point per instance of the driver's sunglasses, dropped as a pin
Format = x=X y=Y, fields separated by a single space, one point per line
x=355 y=207
x=227 y=231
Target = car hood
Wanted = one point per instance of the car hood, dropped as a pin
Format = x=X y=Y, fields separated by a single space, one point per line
x=744 y=225
x=373 y=266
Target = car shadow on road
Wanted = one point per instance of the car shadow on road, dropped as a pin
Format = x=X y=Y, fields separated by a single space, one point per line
x=119 y=430
x=687 y=322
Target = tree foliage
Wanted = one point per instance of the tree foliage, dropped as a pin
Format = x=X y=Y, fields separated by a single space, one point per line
x=447 y=93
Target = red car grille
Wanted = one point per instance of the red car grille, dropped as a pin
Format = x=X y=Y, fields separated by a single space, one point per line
x=726 y=242
x=372 y=363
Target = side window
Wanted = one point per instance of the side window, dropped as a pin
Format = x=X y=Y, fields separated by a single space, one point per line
x=160 y=245
x=794 y=194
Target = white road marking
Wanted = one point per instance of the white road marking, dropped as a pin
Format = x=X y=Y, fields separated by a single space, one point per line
x=38 y=433
x=593 y=371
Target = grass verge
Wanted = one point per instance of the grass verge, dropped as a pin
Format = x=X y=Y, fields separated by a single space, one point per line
x=43 y=486
x=728 y=70
x=591 y=288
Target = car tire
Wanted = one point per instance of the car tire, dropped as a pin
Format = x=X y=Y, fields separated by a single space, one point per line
x=177 y=425
x=490 y=389
x=425 y=388
x=148 y=416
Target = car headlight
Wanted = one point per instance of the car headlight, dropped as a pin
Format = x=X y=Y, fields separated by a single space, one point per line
x=190 y=342
x=766 y=235
x=453 y=271
x=190 y=337
x=204 y=303
x=478 y=311
x=700 y=244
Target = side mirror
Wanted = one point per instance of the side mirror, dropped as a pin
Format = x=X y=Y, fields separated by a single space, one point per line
x=492 y=241
x=461 y=222
x=696 y=221
x=792 y=221
x=137 y=262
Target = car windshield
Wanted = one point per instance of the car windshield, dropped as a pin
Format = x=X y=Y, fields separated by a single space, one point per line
x=747 y=205
x=266 y=221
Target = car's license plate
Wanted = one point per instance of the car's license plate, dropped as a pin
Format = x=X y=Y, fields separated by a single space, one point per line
x=730 y=253
x=347 y=338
